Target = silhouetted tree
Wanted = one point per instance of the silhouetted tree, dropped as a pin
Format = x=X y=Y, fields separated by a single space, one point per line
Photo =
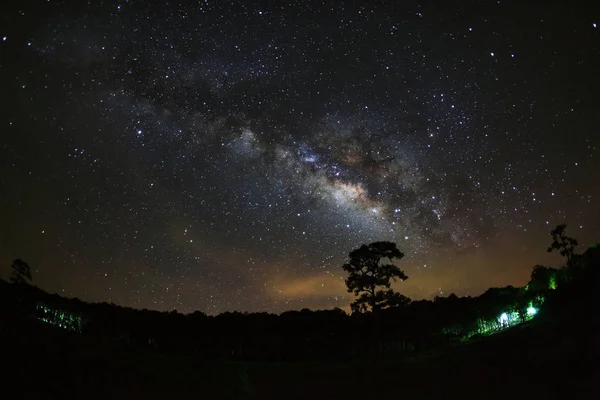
x=562 y=242
x=20 y=272
x=543 y=278
x=368 y=276
x=327 y=334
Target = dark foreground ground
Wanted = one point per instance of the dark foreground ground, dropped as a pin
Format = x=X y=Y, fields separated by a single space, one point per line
x=535 y=361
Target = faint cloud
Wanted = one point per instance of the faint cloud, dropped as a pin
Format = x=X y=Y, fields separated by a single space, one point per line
x=318 y=285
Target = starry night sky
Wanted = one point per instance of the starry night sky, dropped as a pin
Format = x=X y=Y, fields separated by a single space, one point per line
x=227 y=156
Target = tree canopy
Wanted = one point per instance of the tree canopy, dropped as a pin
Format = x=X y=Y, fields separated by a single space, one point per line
x=370 y=279
x=21 y=273
x=561 y=242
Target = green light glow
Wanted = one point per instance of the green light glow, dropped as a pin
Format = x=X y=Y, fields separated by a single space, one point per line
x=508 y=319
x=539 y=300
x=505 y=320
x=59 y=318
x=552 y=283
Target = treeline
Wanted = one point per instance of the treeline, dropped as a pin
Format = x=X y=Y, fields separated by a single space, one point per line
x=308 y=335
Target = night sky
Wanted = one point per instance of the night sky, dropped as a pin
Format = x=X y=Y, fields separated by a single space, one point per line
x=224 y=156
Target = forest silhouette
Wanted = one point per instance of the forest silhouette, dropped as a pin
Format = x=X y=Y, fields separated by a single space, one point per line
x=384 y=327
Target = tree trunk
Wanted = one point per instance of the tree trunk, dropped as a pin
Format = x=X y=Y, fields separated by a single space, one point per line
x=376 y=331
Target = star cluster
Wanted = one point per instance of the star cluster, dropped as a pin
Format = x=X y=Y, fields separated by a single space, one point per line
x=228 y=155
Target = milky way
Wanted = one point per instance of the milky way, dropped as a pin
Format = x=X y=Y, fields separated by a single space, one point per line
x=227 y=156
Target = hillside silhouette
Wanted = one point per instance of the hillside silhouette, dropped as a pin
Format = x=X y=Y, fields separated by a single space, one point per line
x=539 y=341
